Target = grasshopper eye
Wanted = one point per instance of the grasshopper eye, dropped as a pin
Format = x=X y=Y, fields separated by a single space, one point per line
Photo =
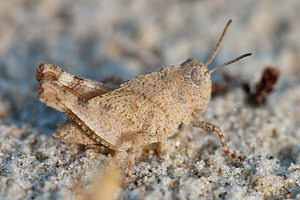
x=197 y=76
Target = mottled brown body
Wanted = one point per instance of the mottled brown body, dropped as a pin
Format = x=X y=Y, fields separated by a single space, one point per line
x=144 y=110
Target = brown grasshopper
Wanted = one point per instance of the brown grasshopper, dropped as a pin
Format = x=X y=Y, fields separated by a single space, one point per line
x=144 y=110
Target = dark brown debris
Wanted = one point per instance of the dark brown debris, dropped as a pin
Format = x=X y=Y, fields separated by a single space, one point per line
x=218 y=89
x=221 y=88
x=257 y=96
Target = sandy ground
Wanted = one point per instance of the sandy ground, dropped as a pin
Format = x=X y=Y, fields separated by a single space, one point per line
x=97 y=39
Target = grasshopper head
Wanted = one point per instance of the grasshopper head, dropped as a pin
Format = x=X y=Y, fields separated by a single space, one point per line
x=198 y=81
x=198 y=78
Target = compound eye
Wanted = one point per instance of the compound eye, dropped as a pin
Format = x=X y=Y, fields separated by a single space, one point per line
x=197 y=76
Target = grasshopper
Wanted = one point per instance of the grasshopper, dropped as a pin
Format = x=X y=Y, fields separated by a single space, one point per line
x=144 y=110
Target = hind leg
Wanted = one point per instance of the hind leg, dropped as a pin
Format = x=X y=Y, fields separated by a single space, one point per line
x=83 y=87
x=71 y=132
x=74 y=130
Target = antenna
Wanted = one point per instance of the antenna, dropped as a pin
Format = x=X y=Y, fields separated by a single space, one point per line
x=212 y=56
x=229 y=62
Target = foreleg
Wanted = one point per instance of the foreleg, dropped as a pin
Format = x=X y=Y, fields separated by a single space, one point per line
x=213 y=128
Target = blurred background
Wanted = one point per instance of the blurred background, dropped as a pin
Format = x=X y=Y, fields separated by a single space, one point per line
x=97 y=39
